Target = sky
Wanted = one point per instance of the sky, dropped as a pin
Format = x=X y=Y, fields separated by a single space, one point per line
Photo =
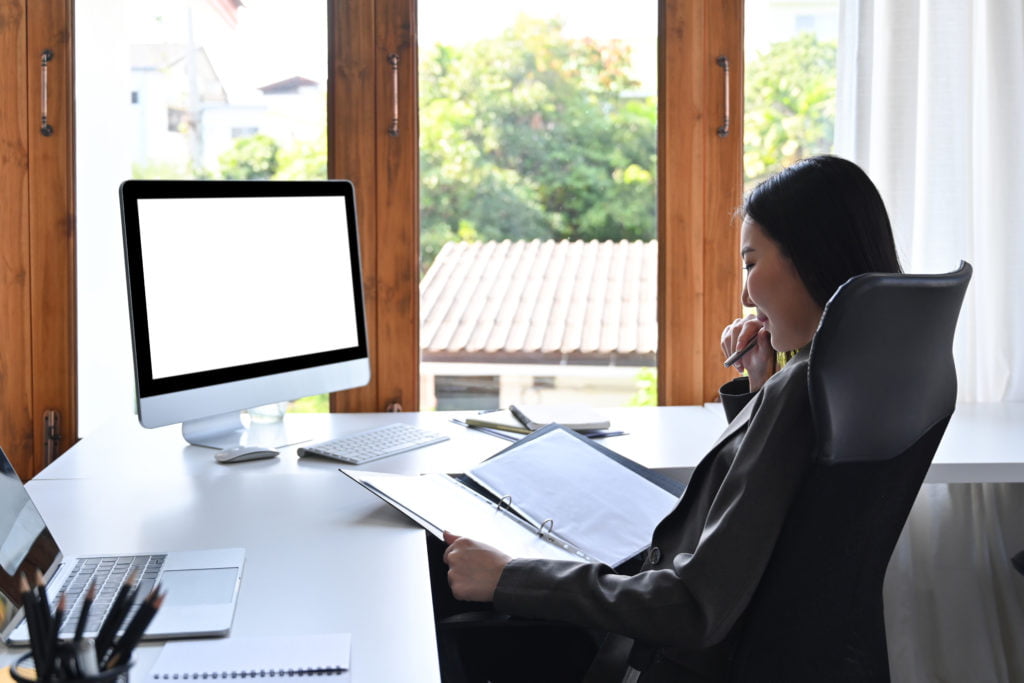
x=278 y=39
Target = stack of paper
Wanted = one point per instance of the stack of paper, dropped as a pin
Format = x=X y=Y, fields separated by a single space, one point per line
x=523 y=418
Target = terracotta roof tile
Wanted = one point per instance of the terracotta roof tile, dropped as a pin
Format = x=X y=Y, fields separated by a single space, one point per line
x=541 y=300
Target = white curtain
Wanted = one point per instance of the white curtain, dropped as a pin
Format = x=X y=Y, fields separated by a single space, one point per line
x=931 y=105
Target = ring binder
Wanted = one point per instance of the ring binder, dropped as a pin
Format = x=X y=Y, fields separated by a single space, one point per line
x=281 y=658
x=606 y=505
x=261 y=673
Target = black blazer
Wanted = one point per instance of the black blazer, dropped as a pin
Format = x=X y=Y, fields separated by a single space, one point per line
x=675 y=618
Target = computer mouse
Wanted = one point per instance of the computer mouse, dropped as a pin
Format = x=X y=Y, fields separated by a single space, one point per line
x=244 y=453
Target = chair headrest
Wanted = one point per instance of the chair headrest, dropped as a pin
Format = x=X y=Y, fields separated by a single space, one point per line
x=881 y=370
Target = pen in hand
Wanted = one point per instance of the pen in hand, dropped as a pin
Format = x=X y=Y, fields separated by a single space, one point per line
x=731 y=360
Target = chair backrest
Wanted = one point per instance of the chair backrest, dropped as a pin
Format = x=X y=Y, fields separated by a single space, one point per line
x=882 y=386
x=881 y=366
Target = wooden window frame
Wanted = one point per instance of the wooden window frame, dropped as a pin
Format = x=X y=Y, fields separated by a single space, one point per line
x=37 y=235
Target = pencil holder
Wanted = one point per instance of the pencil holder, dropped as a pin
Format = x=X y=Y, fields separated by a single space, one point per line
x=23 y=671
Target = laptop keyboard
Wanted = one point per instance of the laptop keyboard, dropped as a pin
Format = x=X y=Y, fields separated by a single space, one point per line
x=373 y=444
x=109 y=573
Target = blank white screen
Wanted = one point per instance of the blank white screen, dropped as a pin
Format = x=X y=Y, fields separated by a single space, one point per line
x=234 y=281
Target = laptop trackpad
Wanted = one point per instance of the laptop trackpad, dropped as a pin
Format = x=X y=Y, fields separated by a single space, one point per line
x=188 y=587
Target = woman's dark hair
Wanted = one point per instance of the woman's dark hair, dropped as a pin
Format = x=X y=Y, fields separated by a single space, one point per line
x=828 y=218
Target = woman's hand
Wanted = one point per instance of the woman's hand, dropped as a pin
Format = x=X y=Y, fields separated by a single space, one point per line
x=759 y=362
x=473 y=568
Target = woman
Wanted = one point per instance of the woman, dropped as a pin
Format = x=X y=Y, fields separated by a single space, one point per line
x=805 y=232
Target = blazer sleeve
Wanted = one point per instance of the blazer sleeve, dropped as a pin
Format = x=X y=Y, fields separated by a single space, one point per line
x=694 y=594
x=735 y=394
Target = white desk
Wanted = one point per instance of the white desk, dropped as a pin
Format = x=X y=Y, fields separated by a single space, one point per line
x=324 y=555
x=321 y=555
x=670 y=438
x=982 y=445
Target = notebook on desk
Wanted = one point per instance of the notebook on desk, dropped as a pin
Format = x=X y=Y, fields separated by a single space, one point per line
x=202 y=586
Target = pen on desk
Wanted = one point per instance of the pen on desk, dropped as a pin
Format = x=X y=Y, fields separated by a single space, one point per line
x=485 y=430
x=742 y=352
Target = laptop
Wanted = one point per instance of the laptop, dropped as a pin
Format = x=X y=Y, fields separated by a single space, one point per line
x=201 y=586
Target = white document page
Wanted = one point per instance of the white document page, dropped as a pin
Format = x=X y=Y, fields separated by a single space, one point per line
x=601 y=507
x=438 y=503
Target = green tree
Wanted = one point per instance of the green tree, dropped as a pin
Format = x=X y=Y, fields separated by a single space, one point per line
x=534 y=135
x=251 y=158
x=306 y=160
x=790 y=105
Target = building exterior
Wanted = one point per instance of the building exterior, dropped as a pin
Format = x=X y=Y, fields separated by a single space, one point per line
x=537 y=321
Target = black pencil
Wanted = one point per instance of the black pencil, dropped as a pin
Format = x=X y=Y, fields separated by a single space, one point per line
x=112 y=622
x=30 y=603
x=54 y=636
x=48 y=643
x=136 y=629
x=83 y=614
x=44 y=600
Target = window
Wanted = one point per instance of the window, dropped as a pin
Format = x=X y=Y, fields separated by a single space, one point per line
x=538 y=160
x=195 y=71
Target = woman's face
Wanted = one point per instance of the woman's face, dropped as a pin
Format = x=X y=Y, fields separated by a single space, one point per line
x=774 y=288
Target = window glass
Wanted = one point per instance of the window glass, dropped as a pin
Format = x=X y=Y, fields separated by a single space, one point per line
x=790 y=83
x=538 y=134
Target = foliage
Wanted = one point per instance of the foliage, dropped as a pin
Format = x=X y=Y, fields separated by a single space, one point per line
x=251 y=158
x=534 y=135
x=307 y=160
x=646 y=388
x=311 y=404
x=789 y=112
x=161 y=170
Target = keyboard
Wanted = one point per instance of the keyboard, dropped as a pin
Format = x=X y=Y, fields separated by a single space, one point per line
x=357 y=448
x=109 y=573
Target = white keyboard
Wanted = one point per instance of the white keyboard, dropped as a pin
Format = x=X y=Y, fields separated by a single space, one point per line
x=373 y=444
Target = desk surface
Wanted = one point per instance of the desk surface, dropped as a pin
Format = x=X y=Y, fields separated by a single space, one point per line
x=981 y=445
x=322 y=555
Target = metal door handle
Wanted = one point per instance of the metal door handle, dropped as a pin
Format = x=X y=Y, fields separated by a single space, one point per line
x=723 y=62
x=393 y=128
x=46 y=129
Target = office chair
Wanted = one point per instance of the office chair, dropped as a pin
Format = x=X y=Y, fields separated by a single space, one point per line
x=882 y=390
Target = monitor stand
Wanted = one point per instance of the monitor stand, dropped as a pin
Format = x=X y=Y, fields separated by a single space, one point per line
x=236 y=429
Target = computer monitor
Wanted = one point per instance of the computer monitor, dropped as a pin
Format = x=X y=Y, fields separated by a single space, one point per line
x=241 y=294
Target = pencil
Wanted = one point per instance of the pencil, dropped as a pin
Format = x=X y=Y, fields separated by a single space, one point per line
x=112 y=622
x=731 y=360
x=44 y=600
x=30 y=603
x=47 y=629
x=54 y=636
x=136 y=629
x=83 y=614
